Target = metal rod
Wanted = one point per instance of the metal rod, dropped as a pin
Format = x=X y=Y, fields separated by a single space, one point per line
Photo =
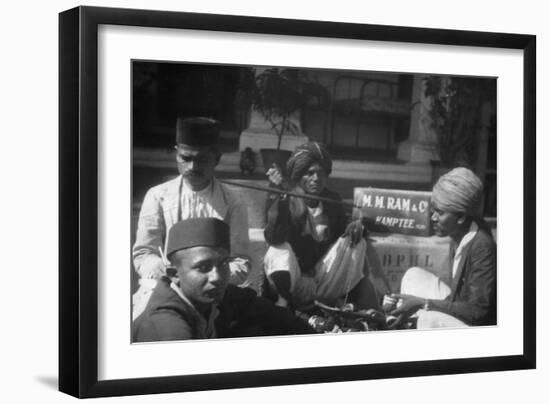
x=290 y=193
x=379 y=271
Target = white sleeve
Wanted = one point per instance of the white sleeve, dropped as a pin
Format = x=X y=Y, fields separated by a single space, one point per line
x=150 y=234
x=278 y=259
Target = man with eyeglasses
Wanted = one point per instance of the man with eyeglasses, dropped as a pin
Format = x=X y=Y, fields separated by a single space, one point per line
x=195 y=193
x=195 y=300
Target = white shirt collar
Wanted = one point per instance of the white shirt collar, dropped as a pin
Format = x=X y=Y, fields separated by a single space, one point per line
x=463 y=243
x=317 y=210
x=178 y=291
x=205 y=191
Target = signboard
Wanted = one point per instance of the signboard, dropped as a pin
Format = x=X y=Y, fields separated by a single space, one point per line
x=394 y=211
x=390 y=256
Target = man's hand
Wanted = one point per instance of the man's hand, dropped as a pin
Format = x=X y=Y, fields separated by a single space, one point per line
x=239 y=267
x=274 y=175
x=356 y=230
x=389 y=303
x=407 y=304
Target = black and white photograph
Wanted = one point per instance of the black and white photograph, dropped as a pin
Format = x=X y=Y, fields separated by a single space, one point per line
x=279 y=200
x=249 y=202
x=275 y=202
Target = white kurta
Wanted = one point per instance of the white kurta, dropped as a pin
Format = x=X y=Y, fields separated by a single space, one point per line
x=168 y=203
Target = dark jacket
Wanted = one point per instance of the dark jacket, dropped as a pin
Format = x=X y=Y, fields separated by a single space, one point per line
x=336 y=216
x=307 y=249
x=241 y=314
x=473 y=289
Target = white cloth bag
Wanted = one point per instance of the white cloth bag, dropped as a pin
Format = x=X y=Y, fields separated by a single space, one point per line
x=340 y=270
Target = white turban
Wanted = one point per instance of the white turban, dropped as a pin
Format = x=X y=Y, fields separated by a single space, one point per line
x=459 y=191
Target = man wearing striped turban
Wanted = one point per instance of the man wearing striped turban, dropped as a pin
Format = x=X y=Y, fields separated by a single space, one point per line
x=467 y=296
x=315 y=226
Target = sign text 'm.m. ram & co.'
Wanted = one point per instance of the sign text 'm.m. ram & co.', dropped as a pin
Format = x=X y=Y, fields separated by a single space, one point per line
x=394 y=211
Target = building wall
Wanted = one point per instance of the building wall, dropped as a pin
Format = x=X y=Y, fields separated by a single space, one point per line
x=341 y=123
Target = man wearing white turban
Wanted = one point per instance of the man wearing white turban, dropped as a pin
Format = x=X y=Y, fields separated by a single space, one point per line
x=467 y=295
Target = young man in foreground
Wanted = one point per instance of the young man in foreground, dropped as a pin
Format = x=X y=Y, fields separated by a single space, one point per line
x=196 y=301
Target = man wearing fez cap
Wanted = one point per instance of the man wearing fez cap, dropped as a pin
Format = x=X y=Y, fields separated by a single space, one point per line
x=195 y=193
x=196 y=300
x=466 y=296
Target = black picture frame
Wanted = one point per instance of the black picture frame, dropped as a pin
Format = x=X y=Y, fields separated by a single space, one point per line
x=78 y=196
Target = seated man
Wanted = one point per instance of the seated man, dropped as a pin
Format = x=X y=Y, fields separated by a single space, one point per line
x=312 y=241
x=195 y=300
x=316 y=224
x=333 y=278
x=194 y=193
x=467 y=296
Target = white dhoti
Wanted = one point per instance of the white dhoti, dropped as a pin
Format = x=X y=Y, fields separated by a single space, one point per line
x=419 y=282
x=336 y=274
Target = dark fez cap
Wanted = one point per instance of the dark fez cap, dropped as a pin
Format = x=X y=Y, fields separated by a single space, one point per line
x=197 y=131
x=206 y=232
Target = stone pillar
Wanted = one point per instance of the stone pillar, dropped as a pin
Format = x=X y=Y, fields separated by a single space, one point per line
x=421 y=146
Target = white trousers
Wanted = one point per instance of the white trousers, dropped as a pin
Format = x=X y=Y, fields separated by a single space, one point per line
x=419 y=282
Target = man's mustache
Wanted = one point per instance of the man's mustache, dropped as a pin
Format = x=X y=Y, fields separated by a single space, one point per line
x=192 y=174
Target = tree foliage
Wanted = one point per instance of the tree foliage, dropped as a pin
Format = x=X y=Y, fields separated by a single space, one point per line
x=278 y=93
x=455 y=114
